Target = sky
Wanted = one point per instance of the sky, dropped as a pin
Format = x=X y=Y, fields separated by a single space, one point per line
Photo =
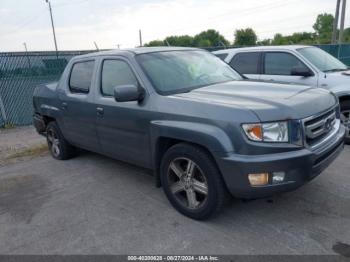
x=109 y=23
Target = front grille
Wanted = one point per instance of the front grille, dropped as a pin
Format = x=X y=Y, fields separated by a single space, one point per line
x=317 y=128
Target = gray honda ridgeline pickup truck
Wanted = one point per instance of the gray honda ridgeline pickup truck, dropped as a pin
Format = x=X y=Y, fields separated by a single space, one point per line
x=185 y=114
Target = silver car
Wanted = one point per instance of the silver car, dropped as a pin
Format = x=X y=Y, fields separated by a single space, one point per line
x=300 y=64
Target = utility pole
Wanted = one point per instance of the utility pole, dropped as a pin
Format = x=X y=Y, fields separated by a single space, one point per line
x=96 y=46
x=53 y=27
x=335 y=23
x=140 y=36
x=25 y=48
x=342 y=20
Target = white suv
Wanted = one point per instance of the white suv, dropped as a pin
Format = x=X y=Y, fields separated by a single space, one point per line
x=307 y=65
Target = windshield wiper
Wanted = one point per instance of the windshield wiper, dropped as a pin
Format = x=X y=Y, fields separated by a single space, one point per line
x=336 y=70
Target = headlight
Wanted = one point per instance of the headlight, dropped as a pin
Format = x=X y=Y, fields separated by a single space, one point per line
x=267 y=132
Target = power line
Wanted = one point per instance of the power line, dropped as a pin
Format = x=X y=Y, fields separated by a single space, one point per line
x=246 y=12
x=69 y=3
x=26 y=23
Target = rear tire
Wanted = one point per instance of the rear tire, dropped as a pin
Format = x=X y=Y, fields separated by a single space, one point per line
x=192 y=182
x=345 y=118
x=59 y=147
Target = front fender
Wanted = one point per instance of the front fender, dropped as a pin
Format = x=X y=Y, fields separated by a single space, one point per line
x=211 y=137
x=341 y=90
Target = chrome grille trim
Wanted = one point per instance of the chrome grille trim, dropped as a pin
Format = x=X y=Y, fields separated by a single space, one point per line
x=318 y=129
x=324 y=125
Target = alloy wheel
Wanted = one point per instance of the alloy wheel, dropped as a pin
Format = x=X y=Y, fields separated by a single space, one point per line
x=345 y=119
x=187 y=183
x=54 y=143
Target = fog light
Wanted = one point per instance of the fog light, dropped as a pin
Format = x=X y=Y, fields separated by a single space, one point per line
x=278 y=177
x=258 y=179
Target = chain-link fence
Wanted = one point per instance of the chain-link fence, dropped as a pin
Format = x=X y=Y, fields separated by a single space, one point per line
x=342 y=52
x=21 y=72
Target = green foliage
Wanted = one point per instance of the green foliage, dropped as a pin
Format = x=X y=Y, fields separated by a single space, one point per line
x=323 y=28
x=264 y=42
x=9 y=126
x=209 y=38
x=155 y=43
x=182 y=40
x=347 y=35
x=245 y=37
x=296 y=38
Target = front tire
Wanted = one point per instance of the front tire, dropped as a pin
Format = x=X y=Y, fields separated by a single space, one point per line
x=192 y=182
x=345 y=118
x=59 y=147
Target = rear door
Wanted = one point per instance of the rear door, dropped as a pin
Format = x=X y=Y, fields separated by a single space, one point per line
x=77 y=106
x=248 y=64
x=277 y=66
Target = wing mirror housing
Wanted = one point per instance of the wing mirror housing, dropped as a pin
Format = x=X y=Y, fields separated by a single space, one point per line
x=127 y=93
x=301 y=71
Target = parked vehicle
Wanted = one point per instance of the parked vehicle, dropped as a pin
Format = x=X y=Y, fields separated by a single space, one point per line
x=190 y=118
x=294 y=64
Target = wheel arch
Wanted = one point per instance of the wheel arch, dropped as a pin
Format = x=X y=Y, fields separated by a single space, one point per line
x=344 y=98
x=165 y=134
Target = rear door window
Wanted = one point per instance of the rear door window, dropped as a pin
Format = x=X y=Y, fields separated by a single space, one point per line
x=246 y=63
x=81 y=76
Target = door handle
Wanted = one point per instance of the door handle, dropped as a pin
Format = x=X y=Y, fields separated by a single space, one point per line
x=64 y=105
x=99 y=111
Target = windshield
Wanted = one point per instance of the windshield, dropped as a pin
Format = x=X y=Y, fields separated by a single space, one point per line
x=322 y=60
x=182 y=71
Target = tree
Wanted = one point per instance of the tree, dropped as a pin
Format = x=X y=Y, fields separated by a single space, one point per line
x=209 y=38
x=264 y=42
x=155 y=43
x=323 y=28
x=347 y=35
x=182 y=40
x=245 y=37
x=279 y=39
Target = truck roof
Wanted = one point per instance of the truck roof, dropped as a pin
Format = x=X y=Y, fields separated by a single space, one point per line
x=261 y=48
x=138 y=50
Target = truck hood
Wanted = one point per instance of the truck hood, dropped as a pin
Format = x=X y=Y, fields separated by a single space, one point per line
x=336 y=78
x=269 y=101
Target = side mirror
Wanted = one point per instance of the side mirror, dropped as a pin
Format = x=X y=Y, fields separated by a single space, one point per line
x=126 y=93
x=301 y=71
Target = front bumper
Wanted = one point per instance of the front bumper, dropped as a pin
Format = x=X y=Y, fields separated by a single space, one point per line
x=299 y=166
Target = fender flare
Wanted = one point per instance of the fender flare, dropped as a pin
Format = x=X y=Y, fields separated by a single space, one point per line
x=213 y=138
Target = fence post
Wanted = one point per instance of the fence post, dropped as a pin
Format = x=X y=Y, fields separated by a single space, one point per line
x=2 y=111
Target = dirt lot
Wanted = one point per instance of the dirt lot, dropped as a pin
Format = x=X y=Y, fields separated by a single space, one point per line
x=95 y=205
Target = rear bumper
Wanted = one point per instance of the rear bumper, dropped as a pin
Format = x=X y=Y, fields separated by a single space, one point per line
x=39 y=123
x=299 y=166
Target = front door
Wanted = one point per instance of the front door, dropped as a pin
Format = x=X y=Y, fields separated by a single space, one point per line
x=278 y=66
x=123 y=127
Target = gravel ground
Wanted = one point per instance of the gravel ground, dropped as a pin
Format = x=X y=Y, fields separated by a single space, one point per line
x=19 y=143
x=95 y=205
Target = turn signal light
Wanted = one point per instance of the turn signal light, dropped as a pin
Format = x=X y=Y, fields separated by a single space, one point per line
x=258 y=179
